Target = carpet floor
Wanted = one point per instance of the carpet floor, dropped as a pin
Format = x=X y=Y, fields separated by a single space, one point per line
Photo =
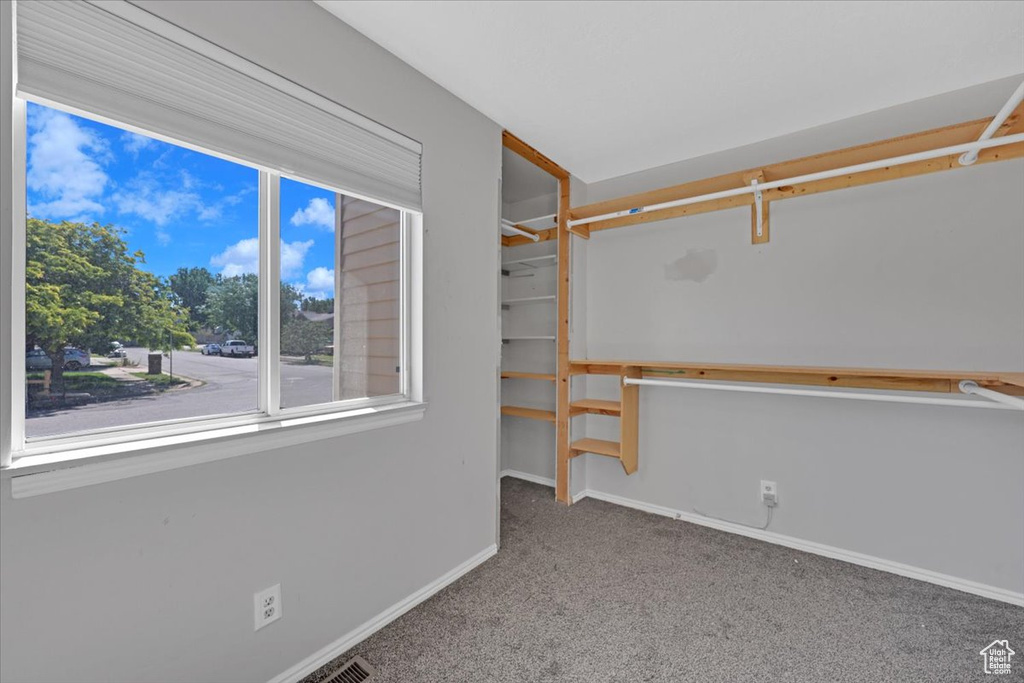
x=598 y=592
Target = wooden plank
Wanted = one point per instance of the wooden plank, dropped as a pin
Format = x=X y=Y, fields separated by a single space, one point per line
x=944 y=381
x=581 y=231
x=528 y=375
x=1013 y=124
x=519 y=240
x=907 y=144
x=563 y=452
x=594 y=406
x=529 y=413
x=598 y=446
x=629 y=423
x=527 y=152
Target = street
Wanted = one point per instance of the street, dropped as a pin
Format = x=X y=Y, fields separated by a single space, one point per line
x=230 y=387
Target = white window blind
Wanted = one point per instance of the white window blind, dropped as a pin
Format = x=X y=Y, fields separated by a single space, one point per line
x=113 y=59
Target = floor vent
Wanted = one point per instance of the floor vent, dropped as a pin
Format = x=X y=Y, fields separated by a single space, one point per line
x=355 y=670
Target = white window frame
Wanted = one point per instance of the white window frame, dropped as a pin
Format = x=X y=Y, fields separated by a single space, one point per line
x=179 y=442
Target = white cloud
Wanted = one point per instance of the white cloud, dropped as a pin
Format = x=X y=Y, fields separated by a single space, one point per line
x=292 y=256
x=145 y=196
x=61 y=170
x=319 y=283
x=134 y=143
x=319 y=212
x=238 y=259
x=244 y=257
x=144 y=199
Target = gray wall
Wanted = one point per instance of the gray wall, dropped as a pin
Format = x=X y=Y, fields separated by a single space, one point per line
x=925 y=272
x=151 y=578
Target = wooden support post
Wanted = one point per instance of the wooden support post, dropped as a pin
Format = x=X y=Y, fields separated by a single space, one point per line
x=629 y=420
x=562 y=436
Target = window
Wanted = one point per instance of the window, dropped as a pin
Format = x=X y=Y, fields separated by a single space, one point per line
x=341 y=317
x=142 y=286
x=206 y=246
x=140 y=257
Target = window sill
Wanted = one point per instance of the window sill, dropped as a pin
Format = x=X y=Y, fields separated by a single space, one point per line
x=34 y=475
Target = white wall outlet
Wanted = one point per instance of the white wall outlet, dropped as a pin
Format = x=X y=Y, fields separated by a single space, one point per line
x=769 y=493
x=268 y=605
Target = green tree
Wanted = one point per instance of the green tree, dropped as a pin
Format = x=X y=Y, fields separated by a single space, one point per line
x=233 y=305
x=84 y=288
x=290 y=298
x=318 y=305
x=302 y=337
x=191 y=287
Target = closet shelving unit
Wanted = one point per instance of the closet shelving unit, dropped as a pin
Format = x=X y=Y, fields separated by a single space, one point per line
x=949 y=148
x=528 y=300
x=514 y=272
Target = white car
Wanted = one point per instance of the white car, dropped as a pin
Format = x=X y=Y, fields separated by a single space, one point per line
x=74 y=359
x=210 y=350
x=237 y=347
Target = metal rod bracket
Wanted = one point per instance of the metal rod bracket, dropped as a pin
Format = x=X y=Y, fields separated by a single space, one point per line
x=758 y=207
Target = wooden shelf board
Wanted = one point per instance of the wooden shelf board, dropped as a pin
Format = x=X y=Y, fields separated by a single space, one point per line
x=598 y=446
x=944 y=381
x=529 y=413
x=595 y=406
x=528 y=375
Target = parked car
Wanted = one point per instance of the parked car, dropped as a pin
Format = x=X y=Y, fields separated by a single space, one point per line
x=210 y=350
x=118 y=352
x=237 y=347
x=74 y=359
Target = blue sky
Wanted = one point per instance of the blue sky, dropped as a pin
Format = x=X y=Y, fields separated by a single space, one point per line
x=180 y=207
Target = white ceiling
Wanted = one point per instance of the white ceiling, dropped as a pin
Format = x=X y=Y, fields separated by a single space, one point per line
x=608 y=88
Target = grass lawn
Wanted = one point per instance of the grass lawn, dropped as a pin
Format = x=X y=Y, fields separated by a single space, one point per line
x=82 y=381
x=161 y=381
x=326 y=361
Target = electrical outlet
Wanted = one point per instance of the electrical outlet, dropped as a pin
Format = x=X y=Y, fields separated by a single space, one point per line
x=268 y=606
x=769 y=493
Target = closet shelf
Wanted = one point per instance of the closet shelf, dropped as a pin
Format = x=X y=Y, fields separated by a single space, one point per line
x=595 y=406
x=529 y=338
x=598 y=446
x=529 y=413
x=530 y=263
x=528 y=375
x=528 y=299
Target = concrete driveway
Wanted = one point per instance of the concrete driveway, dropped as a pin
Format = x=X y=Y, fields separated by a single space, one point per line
x=230 y=387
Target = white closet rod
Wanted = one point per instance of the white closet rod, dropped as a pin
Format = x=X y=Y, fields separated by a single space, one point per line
x=811 y=177
x=505 y=225
x=968 y=158
x=548 y=217
x=1012 y=404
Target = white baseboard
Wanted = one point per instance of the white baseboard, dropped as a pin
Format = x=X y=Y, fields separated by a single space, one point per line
x=833 y=552
x=543 y=481
x=365 y=630
x=526 y=476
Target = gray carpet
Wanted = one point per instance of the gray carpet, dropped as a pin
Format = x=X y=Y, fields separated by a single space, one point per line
x=598 y=592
